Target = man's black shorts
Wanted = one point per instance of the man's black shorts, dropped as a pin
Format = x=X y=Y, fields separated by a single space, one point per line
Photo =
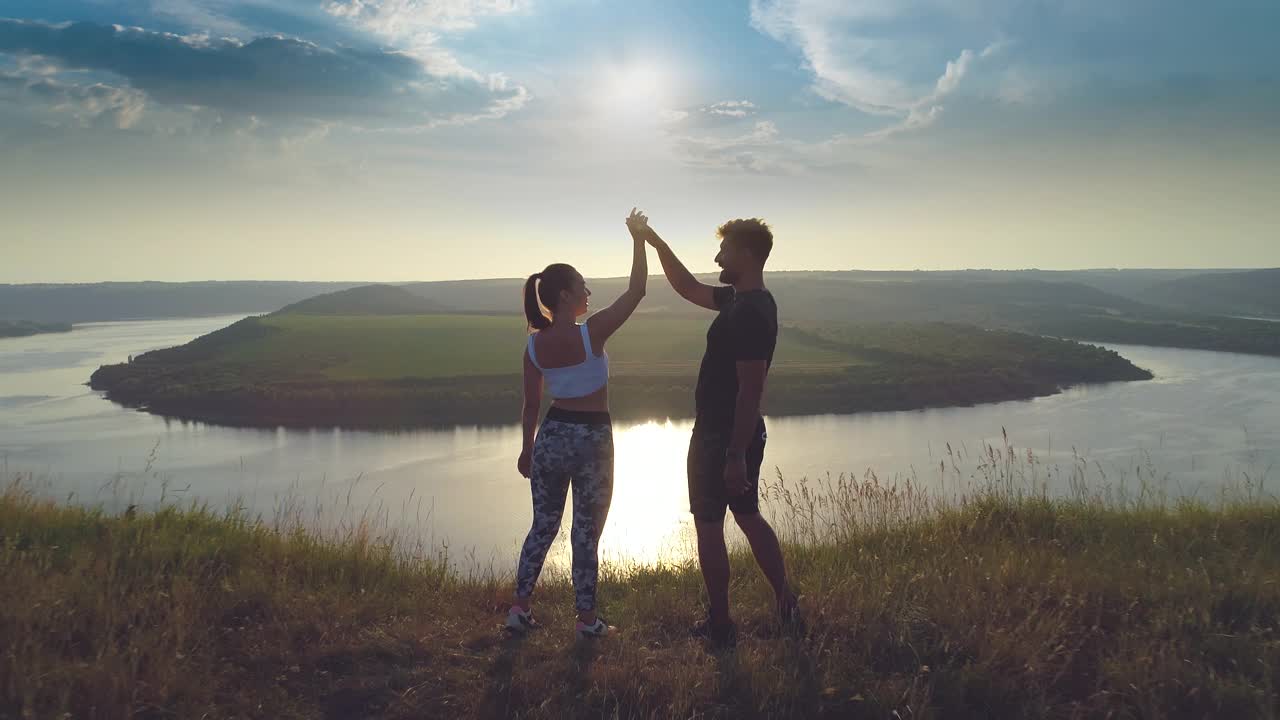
x=708 y=498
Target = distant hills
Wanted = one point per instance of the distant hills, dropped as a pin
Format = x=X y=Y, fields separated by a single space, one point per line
x=100 y=302
x=1173 y=308
x=23 y=328
x=1253 y=293
x=883 y=295
x=368 y=300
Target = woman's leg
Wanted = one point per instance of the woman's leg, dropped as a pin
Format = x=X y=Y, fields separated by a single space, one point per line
x=592 y=493
x=549 y=483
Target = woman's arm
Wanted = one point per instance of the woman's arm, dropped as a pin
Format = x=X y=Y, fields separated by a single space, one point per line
x=605 y=323
x=529 y=413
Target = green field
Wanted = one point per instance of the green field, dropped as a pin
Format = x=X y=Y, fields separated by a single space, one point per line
x=437 y=346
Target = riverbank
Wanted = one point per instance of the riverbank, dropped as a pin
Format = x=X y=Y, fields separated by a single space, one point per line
x=405 y=371
x=1004 y=603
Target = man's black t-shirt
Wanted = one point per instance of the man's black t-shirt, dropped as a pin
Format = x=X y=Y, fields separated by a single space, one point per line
x=745 y=329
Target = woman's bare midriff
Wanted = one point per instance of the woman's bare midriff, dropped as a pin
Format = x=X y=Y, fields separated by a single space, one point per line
x=597 y=401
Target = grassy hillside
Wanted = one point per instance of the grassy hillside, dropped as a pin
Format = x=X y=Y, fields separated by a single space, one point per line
x=394 y=347
x=1005 y=603
x=414 y=370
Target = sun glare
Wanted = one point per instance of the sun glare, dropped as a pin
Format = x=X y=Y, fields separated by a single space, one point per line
x=649 y=520
x=634 y=93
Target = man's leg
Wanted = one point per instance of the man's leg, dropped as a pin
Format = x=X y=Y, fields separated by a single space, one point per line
x=707 y=503
x=760 y=535
x=713 y=558
x=768 y=553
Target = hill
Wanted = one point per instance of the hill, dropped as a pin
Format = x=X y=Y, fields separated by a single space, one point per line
x=1255 y=293
x=367 y=300
x=302 y=369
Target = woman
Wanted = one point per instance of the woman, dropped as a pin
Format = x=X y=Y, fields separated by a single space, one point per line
x=575 y=442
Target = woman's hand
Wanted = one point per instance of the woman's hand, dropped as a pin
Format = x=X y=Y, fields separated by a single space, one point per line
x=525 y=461
x=638 y=224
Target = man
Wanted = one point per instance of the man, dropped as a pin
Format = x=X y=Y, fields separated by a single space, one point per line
x=727 y=447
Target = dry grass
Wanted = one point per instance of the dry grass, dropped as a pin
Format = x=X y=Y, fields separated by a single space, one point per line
x=996 y=598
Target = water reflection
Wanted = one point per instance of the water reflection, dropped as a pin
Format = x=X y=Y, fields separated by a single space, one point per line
x=649 y=520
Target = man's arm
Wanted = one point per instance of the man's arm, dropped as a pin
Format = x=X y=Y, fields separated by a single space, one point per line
x=682 y=281
x=746 y=415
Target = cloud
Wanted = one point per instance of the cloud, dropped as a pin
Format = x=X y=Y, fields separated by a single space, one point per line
x=403 y=18
x=849 y=65
x=730 y=109
x=277 y=78
x=88 y=105
x=758 y=151
x=712 y=115
x=867 y=54
x=207 y=16
x=926 y=111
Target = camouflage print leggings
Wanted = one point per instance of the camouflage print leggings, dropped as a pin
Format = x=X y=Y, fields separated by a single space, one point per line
x=561 y=452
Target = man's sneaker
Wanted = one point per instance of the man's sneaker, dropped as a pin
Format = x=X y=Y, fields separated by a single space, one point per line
x=596 y=630
x=792 y=618
x=520 y=620
x=720 y=635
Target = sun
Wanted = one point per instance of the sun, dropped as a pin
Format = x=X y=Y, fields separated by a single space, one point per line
x=635 y=92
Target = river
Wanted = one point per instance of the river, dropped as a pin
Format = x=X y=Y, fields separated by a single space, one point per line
x=1208 y=419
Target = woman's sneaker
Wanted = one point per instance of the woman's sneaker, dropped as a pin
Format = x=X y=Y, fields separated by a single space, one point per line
x=520 y=620
x=597 y=630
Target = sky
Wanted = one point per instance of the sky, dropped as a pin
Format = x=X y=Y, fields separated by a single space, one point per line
x=395 y=140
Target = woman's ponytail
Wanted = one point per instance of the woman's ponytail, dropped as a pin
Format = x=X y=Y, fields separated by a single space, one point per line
x=532 y=310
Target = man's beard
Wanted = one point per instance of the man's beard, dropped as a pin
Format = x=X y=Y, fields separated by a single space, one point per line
x=728 y=277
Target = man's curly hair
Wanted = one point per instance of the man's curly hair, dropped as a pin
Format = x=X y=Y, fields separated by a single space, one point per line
x=752 y=233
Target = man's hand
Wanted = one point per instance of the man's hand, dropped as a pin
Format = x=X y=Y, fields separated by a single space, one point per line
x=735 y=473
x=524 y=463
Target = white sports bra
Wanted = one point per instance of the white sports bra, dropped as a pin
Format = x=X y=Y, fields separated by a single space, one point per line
x=575 y=381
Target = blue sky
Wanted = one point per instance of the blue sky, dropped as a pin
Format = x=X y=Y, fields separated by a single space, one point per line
x=416 y=139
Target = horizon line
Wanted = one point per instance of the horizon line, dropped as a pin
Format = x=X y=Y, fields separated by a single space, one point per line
x=613 y=277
